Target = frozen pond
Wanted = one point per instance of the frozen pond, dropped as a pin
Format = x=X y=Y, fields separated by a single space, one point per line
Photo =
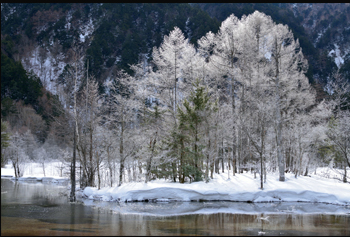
x=34 y=208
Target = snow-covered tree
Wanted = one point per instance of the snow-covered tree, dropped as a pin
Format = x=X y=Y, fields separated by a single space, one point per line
x=89 y=115
x=291 y=89
x=169 y=59
x=16 y=154
x=194 y=119
x=222 y=50
x=122 y=114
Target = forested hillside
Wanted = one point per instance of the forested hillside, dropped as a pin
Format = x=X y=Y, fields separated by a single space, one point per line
x=152 y=91
x=111 y=35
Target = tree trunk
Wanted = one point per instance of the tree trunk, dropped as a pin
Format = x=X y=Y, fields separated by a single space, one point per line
x=208 y=158
x=261 y=171
x=43 y=164
x=265 y=171
x=217 y=163
x=98 y=176
x=134 y=171
x=72 y=173
x=222 y=165
x=129 y=172
x=174 y=171
x=222 y=156
x=233 y=129
x=121 y=152
x=72 y=194
x=121 y=168
x=279 y=133
x=110 y=167
x=181 y=171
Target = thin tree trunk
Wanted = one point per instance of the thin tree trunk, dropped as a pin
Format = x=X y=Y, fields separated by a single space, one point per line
x=222 y=156
x=149 y=163
x=43 y=164
x=174 y=171
x=98 y=172
x=121 y=152
x=233 y=129
x=261 y=159
x=279 y=128
x=181 y=171
x=134 y=171
x=72 y=193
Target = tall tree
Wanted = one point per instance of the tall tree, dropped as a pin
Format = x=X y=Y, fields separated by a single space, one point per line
x=77 y=54
x=16 y=154
x=223 y=49
x=90 y=116
x=168 y=59
x=289 y=68
x=193 y=120
x=123 y=108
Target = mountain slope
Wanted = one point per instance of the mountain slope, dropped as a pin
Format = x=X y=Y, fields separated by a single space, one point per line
x=113 y=36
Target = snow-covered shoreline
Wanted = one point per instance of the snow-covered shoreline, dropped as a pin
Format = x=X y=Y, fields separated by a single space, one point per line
x=239 y=188
x=34 y=173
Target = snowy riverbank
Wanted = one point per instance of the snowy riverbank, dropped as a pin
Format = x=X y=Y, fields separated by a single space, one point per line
x=320 y=188
x=240 y=188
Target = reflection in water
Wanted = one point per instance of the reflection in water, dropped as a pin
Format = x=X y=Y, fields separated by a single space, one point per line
x=38 y=209
x=188 y=208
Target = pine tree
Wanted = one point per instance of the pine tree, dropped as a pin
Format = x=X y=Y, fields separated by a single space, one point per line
x=192 y=122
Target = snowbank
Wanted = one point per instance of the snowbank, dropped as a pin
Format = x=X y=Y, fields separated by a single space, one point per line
x=240 y=188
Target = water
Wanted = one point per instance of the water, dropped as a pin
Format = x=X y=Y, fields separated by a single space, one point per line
x=43 y=209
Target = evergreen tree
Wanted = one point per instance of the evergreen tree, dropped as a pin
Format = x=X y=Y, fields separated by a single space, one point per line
x=192 y=117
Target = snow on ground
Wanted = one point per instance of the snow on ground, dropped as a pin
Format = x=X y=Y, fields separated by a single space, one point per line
x=34 y=172
x=323 y=187
x=240 y=188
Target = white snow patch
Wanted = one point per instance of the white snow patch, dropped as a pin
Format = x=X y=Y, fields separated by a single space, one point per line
x=241 y=188
x=336 y=54
x=86 y=30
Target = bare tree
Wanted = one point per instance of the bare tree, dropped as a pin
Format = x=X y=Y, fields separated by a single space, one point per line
x=16 y=154
x=89 y=115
